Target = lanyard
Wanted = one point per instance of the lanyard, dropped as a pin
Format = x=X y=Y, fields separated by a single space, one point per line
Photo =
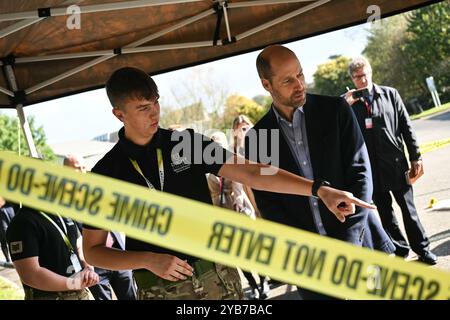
x=368 y=108
x=160 y=169
x=62 y=233
x=222 y=195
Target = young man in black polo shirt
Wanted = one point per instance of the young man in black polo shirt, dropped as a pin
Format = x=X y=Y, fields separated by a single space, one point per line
x=44 y=251
x=145 y=156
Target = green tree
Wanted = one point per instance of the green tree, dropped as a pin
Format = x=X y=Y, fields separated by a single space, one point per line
x=331 y=78
x=429 y=46
x=9 y=132
x=184 y=116
x=262 y=100
x=236 y=105
x=407 y=48
x=390 y=63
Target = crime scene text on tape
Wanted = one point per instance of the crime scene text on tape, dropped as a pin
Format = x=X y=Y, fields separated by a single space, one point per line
x=290 y=255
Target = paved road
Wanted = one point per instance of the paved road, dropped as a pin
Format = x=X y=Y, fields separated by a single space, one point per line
x=434 y=184
x=433 y=128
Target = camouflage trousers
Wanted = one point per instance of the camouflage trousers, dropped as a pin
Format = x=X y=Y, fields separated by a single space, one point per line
x=33 y=294
x=217 y=283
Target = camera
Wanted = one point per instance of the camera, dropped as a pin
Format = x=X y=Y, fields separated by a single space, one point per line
x=363 y=93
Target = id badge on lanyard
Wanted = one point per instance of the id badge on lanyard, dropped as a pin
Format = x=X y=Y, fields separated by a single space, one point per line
x=64 y=234
x=75 y=262
x=368 y=120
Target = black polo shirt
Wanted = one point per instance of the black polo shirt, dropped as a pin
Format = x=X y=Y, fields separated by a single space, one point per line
x=184 y=170
x=30 y=234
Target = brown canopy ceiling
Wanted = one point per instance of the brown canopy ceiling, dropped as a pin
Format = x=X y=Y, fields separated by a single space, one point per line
x=169 y=34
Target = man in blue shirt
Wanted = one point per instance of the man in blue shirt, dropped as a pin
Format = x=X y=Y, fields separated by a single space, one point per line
x=318 y=139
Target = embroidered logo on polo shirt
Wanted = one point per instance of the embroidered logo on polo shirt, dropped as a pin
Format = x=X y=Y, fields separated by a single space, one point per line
x=179 y=163
x=16 y=247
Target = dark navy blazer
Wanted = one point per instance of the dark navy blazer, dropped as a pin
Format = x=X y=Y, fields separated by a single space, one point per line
x=338 y=155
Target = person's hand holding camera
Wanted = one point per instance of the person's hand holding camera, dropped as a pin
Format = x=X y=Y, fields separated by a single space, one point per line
x=349 y=96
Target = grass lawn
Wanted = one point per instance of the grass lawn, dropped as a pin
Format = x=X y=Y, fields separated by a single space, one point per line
x=431 y=111
x=9 y=291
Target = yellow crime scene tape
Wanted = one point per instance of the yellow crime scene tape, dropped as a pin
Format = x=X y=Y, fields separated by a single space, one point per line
x=290 y=255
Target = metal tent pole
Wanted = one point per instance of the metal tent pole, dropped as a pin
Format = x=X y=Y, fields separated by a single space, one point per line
x=262 y=3
x=28 y=22
x=281 y=19
x=7 y=92
x=55 y=12
x=11 y=78
x=111 y=55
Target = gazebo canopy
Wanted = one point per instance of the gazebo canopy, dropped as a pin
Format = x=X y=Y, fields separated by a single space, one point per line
x=54 y=48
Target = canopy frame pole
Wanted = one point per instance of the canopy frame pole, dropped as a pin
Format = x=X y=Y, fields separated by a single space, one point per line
x=224 y=5
x=125 y=50
x=245 y=4
x=17 y=101
x=117 y=51
x=133 y=47
x=18 y=26
x=7 y=92
x=28 y=22
x=187 y=45
x=281 y=19
x=59 y=11
x=112 y=52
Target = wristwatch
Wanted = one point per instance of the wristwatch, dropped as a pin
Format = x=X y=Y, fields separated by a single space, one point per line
x=316 y=185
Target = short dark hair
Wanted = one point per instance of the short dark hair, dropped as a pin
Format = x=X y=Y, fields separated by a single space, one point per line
x=263 y=66
x=130 y=83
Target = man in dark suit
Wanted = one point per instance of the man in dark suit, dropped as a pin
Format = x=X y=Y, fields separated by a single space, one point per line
x=319 y=139
x=385 y=125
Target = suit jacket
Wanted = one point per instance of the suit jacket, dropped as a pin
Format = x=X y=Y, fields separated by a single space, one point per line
x=391 y=126
x=338 y=155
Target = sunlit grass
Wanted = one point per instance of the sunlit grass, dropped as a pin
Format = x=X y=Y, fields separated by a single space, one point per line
x=8 y=291
x=431 y=111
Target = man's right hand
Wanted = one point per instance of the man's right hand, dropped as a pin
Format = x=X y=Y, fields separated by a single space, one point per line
x=89 y=277
x=83 y=279
x=169 y=267
x=348 y=96
x=341 y=203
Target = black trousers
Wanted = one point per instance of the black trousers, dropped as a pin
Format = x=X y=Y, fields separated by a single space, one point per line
x=415 y=232
x=4 y=222
x=121 y=282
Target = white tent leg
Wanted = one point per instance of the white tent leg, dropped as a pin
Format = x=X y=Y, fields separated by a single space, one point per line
x=11 y=78
x=27 y=131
